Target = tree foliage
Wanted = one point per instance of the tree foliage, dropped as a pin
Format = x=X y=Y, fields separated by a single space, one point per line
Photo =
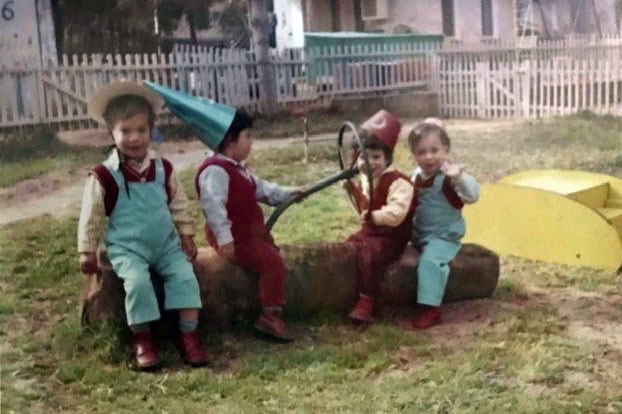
x=107 y=26
x=124 y=26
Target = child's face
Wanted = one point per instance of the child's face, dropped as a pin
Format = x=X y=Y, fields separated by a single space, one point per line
x=240 y=149
x=132 y=136
x=377 y=162
x=430 y=153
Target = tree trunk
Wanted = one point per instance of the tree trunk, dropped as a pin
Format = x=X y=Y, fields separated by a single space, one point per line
x=192 y=28
x=260 y=26
x=320 y=277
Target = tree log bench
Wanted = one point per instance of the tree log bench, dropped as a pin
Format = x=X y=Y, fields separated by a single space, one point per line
x=320 y=277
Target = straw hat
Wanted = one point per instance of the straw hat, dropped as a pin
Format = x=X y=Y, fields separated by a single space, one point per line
x=98 y=104
x=208 y=120
x=385 y=126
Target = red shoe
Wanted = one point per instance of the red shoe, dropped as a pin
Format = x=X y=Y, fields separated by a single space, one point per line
x=363 y=311
x=191 y=348
x=271 y=324
x=145 y=351
x=428 y=317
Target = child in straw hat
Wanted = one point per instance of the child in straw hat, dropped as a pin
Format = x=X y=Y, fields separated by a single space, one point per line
x=136 y=202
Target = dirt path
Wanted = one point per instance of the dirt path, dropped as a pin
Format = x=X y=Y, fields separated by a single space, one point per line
x=60 y=194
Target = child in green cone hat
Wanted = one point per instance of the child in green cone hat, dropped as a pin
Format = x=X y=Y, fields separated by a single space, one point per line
x=229 y=194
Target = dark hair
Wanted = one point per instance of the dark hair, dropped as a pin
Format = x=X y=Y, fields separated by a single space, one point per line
x=423 y=130
x=241 y=121
x=370 y=141
x=126 y=106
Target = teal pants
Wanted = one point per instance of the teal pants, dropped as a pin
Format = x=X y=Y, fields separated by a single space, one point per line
x=433 y=270
x=181 y=289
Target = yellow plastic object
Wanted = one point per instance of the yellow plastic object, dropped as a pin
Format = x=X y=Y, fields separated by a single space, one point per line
x=568 y=217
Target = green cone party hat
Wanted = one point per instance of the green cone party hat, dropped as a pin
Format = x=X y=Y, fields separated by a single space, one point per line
x=207 y=119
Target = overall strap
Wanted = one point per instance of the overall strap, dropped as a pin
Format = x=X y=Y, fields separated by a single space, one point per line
x=112 y=179
x=108 y=182
x=450 y=194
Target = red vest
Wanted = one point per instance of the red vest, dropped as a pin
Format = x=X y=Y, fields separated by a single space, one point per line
x=111 y=189
x=243 y=211
x=381 y=192
x=448 y=190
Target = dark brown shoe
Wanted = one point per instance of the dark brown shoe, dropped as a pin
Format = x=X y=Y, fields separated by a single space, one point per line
x=145 y=351
x=271 y=325
x=428 y=316
x=191 y=348
x=363 y=311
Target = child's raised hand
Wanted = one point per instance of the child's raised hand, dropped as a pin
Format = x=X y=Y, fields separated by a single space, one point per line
x=88 y=263
x=452 y=170
x=188 y=246
x=226 y=251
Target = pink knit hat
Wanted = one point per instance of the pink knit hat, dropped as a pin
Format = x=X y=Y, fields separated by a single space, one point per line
x=384 y=126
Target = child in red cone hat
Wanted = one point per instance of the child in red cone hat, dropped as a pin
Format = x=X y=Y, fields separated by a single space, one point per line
x=386 y=223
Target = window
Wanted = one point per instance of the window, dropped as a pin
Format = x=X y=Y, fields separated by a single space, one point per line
x=487 y=29
x=447 y=7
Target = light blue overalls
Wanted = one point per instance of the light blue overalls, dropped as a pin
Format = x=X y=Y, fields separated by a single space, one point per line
x=141 y=236
x=438 y=229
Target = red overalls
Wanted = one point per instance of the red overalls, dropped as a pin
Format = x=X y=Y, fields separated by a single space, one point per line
x=254 y=247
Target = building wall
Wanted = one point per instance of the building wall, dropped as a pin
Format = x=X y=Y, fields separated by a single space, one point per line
x=347 y=18
x=504 y=23
x=318 y=16
x=19 y=36
x=289 y=24
x=425 y=17
x=421 y=16
x=468 y=18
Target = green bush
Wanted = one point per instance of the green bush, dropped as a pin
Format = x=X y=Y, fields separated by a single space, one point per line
x=42 y=142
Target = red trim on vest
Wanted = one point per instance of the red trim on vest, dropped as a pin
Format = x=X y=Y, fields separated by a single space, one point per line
x=450 y=194
x=111 y=190
x=381 y=192
x=168 y=171
x=448 y=189
x=243 y=211
x=427 y=183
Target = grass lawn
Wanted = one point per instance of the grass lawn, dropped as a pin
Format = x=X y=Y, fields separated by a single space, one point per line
x=548 y=341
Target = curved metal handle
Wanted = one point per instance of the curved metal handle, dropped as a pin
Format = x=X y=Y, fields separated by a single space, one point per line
x=349 y=125
x=345 y=174
x=320 y=185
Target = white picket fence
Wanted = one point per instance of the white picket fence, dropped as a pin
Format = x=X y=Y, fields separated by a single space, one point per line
x=522 y=80
x=58 y=94
x=532 y=81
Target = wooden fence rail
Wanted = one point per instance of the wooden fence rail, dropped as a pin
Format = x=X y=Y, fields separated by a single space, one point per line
x=58 y=94
x=549 y=78
x=520 y=80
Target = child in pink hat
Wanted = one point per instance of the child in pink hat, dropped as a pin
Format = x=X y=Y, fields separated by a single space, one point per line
x=386 y=223
x=443 y=188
